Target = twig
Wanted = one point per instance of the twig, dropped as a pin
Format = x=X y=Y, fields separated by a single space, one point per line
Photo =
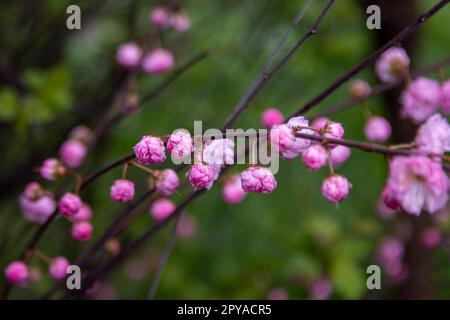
x=380 y=89
x=164 y=258
x=265 y=76
x=371 y=58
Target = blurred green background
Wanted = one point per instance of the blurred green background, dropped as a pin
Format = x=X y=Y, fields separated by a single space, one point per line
x=286 y=240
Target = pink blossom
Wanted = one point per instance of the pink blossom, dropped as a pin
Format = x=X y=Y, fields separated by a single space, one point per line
x=333 y=130
x=286 y=143
x=335 y=188
x=271 y=117
x=158 y=61
x=72 y=153
x=388 y=198
x=69 y=204
x=392 y=64
x=84 y=214
x=36 y=204
x=180 y=144
x=180 y=22
x=187 y=226
x=129 y=55
x=377 y=129
x=58 y=268
x=417 y=183
x=360 y=89
x=445 y=96
x=232 y=190
x=315 y=157
x=277 y=294
x=339 y=155
x=321 y=289
x=82 y=231
x=320 y=122
x=167 y=182
x=16 y=272
x=150 y=150
x=51 y=169
x=201 y=176
x=433 y=137
x=421 y=99
x=218 y=152
x=390 y=250
x=431 y=237
x=258 y=179
x=160 y=17
x=122 y=190
x=161 y=209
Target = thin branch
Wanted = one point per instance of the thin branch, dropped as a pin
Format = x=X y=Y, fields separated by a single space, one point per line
x=163 y=260
x=346 y=104
x=265 y=76
x=371 y=58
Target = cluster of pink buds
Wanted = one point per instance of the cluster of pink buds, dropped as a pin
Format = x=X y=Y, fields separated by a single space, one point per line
x=71 y=206
x=155 y=62
x=165 y=18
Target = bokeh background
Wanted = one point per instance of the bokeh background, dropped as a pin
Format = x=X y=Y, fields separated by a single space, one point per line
x=53 y=79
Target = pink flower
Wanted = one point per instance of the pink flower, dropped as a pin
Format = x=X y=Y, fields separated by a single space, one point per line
x=320 y=122
x=161 y=209
x=69 y=204
x=277 y=294
x=390 y=254
x=377 y=129
x=82 y=134
x=271 y=117
x=232 y=190
x=84 y=214
x=315 y=157
x=72 y=153
x=321 y=289
x=433 y=137
x=36 y=204
x=129 y=55
x=187 y=226
x=339 y=155
x=335 y=188
x=150 y=150
x=333 y=130
x=388 y=198
x=392 y=64
x=16 y=272
x=421 y=99
x=201 y=176
x=158 y=61
x=431 y=237
x=58 y=268
x=167 y=182
x=445 y=96
x=51 y=169
x=180 y=144
x=122 y=190
x=286 y=143
x=160 y=17
x=360 y=89
x=218 y=152
x=417 y=183
x=258 y=179
x=82 y=231
x=180 y=22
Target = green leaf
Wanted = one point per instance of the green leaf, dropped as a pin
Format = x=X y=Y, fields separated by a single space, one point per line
x=9 y=104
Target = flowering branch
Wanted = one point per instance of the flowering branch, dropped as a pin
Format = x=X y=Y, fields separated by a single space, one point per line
x=372 y=57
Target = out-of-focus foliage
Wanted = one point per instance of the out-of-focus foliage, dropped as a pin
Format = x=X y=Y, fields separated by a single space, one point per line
x=287 y=239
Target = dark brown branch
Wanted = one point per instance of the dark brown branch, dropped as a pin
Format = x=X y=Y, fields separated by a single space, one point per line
x=346 y=104
x=371 y=58
x=265 y=76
